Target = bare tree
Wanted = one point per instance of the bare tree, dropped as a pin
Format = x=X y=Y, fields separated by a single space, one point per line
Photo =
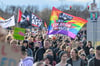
x=45 y=15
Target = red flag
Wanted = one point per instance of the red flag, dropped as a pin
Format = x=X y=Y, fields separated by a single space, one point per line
x=45 y=24
x=19 y=15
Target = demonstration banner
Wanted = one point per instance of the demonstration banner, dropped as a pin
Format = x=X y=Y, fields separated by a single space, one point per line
x=8 y=22
x=9 y=56
x=36 y=21
x=19 y=33
x=63 y=23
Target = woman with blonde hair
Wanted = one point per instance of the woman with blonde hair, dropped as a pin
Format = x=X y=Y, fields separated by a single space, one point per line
x=81 y=52
x=14 y=45
x=68 y=49
x=82 y=55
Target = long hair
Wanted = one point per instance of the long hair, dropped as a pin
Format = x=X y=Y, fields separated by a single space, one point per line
x=90 y=43
x=76 y=51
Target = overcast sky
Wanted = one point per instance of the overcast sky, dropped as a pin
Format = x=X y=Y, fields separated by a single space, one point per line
x=47 y=3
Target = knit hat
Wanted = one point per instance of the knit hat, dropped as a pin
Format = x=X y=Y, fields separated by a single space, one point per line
x=61 y=53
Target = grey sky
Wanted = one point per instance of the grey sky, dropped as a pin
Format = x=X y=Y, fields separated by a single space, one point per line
x=47 y=3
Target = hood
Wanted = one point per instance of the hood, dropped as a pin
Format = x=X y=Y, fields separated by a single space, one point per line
x=28 y=58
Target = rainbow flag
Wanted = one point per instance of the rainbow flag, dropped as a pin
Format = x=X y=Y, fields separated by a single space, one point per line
x=63 y=23
x=1 y=18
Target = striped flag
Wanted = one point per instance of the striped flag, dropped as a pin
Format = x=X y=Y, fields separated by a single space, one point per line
x=64 y=23
x=19 y=15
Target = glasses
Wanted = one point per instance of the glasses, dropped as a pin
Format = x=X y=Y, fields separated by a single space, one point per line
x=83 y=55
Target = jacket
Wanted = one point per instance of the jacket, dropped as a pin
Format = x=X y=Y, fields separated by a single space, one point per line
x=70 y=62
x=91 y=62
x=39 y=54
x=29 y=52
x=28 y=61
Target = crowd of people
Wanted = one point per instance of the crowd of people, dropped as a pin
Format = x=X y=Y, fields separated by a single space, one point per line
x=37 y=49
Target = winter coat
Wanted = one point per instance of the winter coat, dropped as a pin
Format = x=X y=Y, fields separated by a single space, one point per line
x=28 y=61
x=29 y=52
x=91 y=62
x=39 y=54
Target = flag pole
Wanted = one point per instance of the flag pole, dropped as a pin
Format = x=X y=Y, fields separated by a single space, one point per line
x=17 y=17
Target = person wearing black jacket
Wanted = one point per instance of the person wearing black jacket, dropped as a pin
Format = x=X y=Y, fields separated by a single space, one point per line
x=88 y=47
x=26 y=47
x=41 y=51
x=96 y=60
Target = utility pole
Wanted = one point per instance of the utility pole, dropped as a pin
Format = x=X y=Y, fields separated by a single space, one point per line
x=93 y=1
x=93 y=24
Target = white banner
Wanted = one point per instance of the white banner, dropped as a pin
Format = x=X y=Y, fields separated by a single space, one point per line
x=8 y=22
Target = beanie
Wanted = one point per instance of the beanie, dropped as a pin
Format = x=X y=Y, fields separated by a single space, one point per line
x=61 y=53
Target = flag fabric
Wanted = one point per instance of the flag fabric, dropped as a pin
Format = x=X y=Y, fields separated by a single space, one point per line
x=28 y=19
x=36 y=21
x=63 y=23
x=8 y=22
x=25 y=21
x=45 y=24
x=19 y=33
x=1 y=18
x=19 y=15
